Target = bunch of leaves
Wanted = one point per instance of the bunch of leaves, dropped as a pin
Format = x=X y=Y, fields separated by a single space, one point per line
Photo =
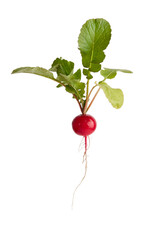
x=93 y=39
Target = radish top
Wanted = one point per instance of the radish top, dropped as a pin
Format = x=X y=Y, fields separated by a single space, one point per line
x=93 y=39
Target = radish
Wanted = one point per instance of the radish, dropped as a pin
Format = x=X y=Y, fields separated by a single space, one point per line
x=93 y=39
x=83 y=125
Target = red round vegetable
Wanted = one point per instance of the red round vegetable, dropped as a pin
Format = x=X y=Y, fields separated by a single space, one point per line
x=84 y=124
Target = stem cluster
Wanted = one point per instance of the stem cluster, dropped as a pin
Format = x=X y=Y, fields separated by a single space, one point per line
x=87 y=105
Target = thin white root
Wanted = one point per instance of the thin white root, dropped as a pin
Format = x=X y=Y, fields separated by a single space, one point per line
x=84 y=159
x=82 y=144
x=88 y=145
x=85 y=153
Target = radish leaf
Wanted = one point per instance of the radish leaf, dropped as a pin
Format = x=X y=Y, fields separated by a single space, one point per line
x=73 y=85
x=94 y=37
x=70 y=80
x=62 y=66
x=114 y=95
x=35 y=70
x=86 y=72
x=111 y=73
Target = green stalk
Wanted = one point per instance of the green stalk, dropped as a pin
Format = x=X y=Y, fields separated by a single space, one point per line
x=87 y=92
x=87 y=97
x=87 y=100
x=93 y=99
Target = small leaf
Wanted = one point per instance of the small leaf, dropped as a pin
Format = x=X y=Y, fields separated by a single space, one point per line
x=59 y=85
x=62 y=66
x=114 y=95
x=76 y=75
x=66 y=77
x=35 y=70
x=86 y=72
x=111 y=73
x=93 y=39
x=73 y=86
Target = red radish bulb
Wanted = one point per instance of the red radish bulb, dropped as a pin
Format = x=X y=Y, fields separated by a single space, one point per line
x=84 y=124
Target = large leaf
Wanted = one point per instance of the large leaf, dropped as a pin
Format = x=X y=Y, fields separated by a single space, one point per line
x=65 y=76
x=114 y=95
x=93 y=39
x=71 y=82
x=35 y=70
x=111 y=73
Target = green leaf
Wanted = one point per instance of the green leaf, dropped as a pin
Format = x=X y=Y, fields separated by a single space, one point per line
x=62 y=66
x=86 y=72
x=93 y=39
x=73 y=85
x=35 y=70
x=114 y=95
x=111 y=73
x=59 y=85
x=76 y=75
x=70 y=80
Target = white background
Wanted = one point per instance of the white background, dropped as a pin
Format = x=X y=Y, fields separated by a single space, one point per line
x=40 y=164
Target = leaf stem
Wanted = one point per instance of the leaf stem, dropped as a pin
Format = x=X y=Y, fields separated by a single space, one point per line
x=78 y=103
x=87 y=100
x=93 y=98
x=75 y=98
x=87 y=92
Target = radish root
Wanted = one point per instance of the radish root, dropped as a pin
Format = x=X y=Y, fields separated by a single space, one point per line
x=82 y=143
x=84 y=160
